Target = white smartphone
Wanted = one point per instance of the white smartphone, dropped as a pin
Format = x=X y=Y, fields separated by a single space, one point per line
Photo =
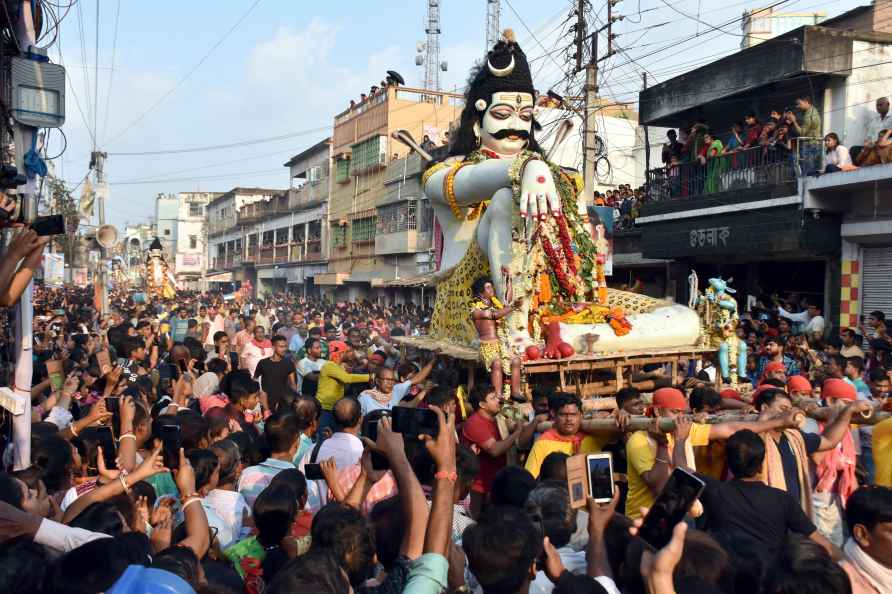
x=599 y=468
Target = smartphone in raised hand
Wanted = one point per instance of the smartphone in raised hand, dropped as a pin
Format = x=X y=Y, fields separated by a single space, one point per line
x=600 y=476
x=670 y=508
x=171 y=442
x=107 y=443
x=313 y=471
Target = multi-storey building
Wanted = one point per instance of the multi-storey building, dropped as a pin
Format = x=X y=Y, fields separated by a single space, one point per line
x=761 y=215
x=167 y=212
x=229 y=266
x=190 y=256
x=760 y=24
x=362 y=149
x=181 y=226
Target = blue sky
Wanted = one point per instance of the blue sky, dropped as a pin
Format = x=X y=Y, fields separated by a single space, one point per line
x=292 y=64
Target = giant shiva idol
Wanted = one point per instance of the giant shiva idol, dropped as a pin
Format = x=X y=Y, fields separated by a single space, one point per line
x=509 y=214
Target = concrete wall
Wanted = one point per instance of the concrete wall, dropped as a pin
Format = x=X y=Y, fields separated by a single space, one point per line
x=871 y=71
x=624 y=141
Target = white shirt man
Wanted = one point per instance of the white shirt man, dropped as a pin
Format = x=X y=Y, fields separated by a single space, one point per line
x=811 y=317
x=876 y=122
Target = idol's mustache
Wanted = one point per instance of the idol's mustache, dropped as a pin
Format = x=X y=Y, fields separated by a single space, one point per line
x=502 y=134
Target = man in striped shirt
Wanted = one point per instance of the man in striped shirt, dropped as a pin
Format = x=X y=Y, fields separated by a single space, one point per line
x=282 y=433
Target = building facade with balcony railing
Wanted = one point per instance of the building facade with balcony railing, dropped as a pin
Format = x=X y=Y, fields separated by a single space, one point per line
x=286 y=236
x=367 y=247
x=226 y=251
x=765 y=214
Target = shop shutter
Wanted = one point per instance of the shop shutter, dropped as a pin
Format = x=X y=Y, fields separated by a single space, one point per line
x=876 y=280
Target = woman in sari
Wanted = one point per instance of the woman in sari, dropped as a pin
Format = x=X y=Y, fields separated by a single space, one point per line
x=712 y=161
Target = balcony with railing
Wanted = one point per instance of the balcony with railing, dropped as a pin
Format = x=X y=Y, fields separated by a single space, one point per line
x=772 y=169
x=217 y=225
x=309 y=195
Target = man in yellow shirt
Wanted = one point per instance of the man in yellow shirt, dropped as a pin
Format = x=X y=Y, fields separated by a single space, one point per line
x=882 y=452
x=565 y=436
x=651 y=455
x=333 y=377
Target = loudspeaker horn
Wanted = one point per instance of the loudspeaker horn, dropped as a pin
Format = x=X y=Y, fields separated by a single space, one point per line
x=107 y=236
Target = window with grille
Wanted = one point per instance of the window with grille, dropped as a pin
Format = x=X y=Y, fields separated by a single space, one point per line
x=425 y=216
x=281 y=235
x=193 y=242
x=238 y=245
x=196 y=209
x=297 y=232
x=394 y=218
x=342 y=170
x=252 y=240
x=363 y=230
x=367 y=154
x=268 y=238
x=338 y=236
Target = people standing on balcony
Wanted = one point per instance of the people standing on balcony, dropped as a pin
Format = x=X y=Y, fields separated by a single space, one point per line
x=672 y=147
x=807 y=128
x=875 y=124
x=709 y=159
x=694 y=144
x=836 y=156
x=753 y=131
x=736 y=137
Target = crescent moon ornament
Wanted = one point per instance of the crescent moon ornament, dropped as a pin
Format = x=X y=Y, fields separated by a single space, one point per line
x=501 y=72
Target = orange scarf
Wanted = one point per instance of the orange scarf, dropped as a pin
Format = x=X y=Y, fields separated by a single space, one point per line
x=836 y=469
x=553 y=435
x=773 y=467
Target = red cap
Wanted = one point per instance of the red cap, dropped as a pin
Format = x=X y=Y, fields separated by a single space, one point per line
x=730 y=394
x=670 y=398
x=798 y=383
x=772 y=332
x=774 y=366
x=837 y=388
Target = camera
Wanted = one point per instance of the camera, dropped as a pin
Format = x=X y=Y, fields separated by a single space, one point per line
x=10 y=179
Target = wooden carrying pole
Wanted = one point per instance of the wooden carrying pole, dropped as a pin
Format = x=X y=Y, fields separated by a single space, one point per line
x=667 y=425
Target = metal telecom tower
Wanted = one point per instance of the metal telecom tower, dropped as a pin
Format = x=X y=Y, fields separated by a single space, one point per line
x=492 y=23
x=432 y=47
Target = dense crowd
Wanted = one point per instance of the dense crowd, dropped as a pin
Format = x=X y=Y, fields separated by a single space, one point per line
x=219 y=444
x=626 y=204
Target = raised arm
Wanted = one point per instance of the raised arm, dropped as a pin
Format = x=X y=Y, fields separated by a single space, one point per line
x=836 y=429
x=473 y=183
x=722 y=431
x=412 y=501
x=198 y=536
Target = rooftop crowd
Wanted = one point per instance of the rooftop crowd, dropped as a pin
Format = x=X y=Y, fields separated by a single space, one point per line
x=212 y=444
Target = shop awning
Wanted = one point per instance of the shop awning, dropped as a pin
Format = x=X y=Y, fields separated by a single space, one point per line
x=330 y=278
x=422 y=280
x=222 y=277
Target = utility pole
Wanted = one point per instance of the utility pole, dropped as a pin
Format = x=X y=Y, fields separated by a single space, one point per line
x=97 y=162
x=24 y=340
x=492 y=24
x=591 y=86
x=646 y=136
